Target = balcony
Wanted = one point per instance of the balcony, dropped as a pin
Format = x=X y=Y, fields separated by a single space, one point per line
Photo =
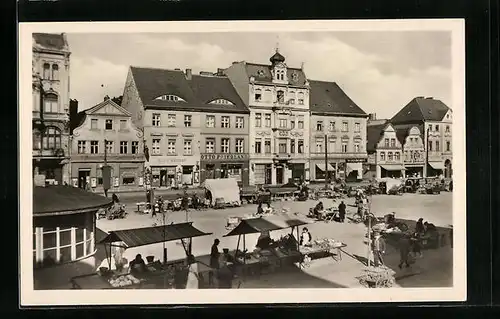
x=50 y=153
x=110 y=157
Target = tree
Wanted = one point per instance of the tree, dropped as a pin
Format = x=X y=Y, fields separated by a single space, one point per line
x=117 y=99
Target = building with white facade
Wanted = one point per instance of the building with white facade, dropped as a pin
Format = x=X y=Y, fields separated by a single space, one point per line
x=386 y=152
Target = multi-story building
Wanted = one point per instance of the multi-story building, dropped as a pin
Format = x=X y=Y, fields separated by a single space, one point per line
x=435 y=121
x=105 y=134
x=195 y=126
x=385 y=152
x=410 y=136
x=337 y=133
x=278 y=99
x=50 y=69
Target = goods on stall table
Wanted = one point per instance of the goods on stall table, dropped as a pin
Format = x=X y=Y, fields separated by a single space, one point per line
x=377 y=277
x=122 y=281
x=328 y=243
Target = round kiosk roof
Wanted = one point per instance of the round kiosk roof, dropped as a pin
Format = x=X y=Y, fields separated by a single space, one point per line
x=65 y=200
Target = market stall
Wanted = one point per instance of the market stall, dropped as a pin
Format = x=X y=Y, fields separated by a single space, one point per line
x=222 y=192
x=157 y=273
x=276 y=253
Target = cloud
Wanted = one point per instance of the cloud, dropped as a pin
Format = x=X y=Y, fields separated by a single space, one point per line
x=380 y=71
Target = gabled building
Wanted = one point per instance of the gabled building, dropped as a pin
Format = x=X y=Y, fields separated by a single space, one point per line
x=195 y=126
x=385 y=152
x=105 y=134
x=278 y=98
x=338 y=127
x=410 y=137
x=50 y=122
x=435 y=121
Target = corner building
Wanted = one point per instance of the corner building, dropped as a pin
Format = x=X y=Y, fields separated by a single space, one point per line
x=278 y=99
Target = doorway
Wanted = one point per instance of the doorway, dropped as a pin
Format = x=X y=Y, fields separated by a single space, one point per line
x=210 y=171
x=268 y=174
x=83 y=178
x=279 y=174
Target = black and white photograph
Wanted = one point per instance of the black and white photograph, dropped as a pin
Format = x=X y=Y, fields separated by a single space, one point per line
x=290 y=161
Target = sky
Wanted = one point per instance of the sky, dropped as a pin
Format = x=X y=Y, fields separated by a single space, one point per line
x=380 y=71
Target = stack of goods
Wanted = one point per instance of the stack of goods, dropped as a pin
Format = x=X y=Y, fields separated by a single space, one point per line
x=377 y=277
x=123 y=281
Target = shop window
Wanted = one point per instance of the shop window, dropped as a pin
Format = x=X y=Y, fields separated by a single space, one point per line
x=49 y=257
x=79 y=250
x=89 y=249
x=127 y=181
x=79 y=234
x=64 y=237
x=65 y=254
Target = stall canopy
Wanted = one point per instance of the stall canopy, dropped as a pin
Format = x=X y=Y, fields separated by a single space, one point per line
x=226 y=188
x=321 y=166
x=263 y=224
x=151 y=235
x=437 y=165
x=393 y=167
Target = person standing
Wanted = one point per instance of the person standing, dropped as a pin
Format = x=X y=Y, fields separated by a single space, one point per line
x=404 y=251
x=214 y=260
x=342 y=211
x=378 y=246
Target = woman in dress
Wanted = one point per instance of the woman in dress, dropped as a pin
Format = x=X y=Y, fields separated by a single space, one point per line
x=192 y=279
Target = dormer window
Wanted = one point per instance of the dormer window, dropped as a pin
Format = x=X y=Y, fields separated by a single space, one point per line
x=170 y=97
x=260 y=73
x=221 y=102
x=295 y=76
x=280 y=75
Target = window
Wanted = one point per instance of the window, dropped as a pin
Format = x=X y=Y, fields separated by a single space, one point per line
x=382 y=156
x=356 y=147
x=258 y=119
x=268 y=120
x=300 y=122
x=300 y=146
x=345 y=127
x=52 y=138
x=267 y=146
x=170 y=97
x=301 y=98
x=171 y=120
x=292 y=123
x=283 y=123
x=135 y=147
x=292 y=146
x=332 y=126
x=156 y=119
x=331 y=146
x=357 y=127
x=386 y=142
x=187 y=120
x=55 y=72
x=222 y=102
x=258 y=95
x=130 y=180
x=210 y=121
x=240 y=122
x=437 y=128
x=171 y=147
x=258 y=146
x=280 y=97
x=187 y=147
x=282 y=147
x=50 y=103
x=155 y=149
x=109 y=147
x=225 y=122
x=447 y=129
x=280 y=75
x=210 y=145
x=292 y=101
x=393 y=142
x=389 y=156
x=319 y=126
x=93 y=124
x=319 y=145
x=94 y=147
x=46 y=71
x=82 y=145
x=109 y=124
x=430 y=145
x=123 y=124
x=437 y=146
x=123 y=147
x=224 y=146
x=397 y=156
x=37 y=140
x=448 y=146
x=344 y=147
x=239 y=145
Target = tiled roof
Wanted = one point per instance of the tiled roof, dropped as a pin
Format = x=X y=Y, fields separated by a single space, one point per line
x=374 y=133
x=328 y=97
x=277 y=57
x=262 y=73
x=402 y=131
x=421 y=109
x=65 y=200
x=77 y=120
x=51 y=41
x=197 y=92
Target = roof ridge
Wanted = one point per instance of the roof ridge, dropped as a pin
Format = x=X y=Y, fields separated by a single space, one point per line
x=152 y=68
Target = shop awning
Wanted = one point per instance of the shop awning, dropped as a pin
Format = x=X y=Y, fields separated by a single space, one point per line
x=151 y=235
x=437 y=165
x=263 y=224
x=393 y=167
x=321 y=166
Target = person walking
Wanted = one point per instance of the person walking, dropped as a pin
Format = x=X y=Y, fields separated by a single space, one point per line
x=214 y=260
x=342 y=211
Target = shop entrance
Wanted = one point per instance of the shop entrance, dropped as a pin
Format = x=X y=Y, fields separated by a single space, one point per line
x=268 y=174
x=210 y=171
x=279 y=174
x=414 y=171
x=83 y=178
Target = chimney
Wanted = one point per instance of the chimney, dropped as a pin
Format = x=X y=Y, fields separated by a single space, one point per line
x=220 y=71
x=205 y=73
x=177 y=69
x=189 y=74
x=106 y=97
x=372 y=116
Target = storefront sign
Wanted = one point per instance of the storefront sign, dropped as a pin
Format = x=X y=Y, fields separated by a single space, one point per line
x=356 y=160
x=221 y=157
